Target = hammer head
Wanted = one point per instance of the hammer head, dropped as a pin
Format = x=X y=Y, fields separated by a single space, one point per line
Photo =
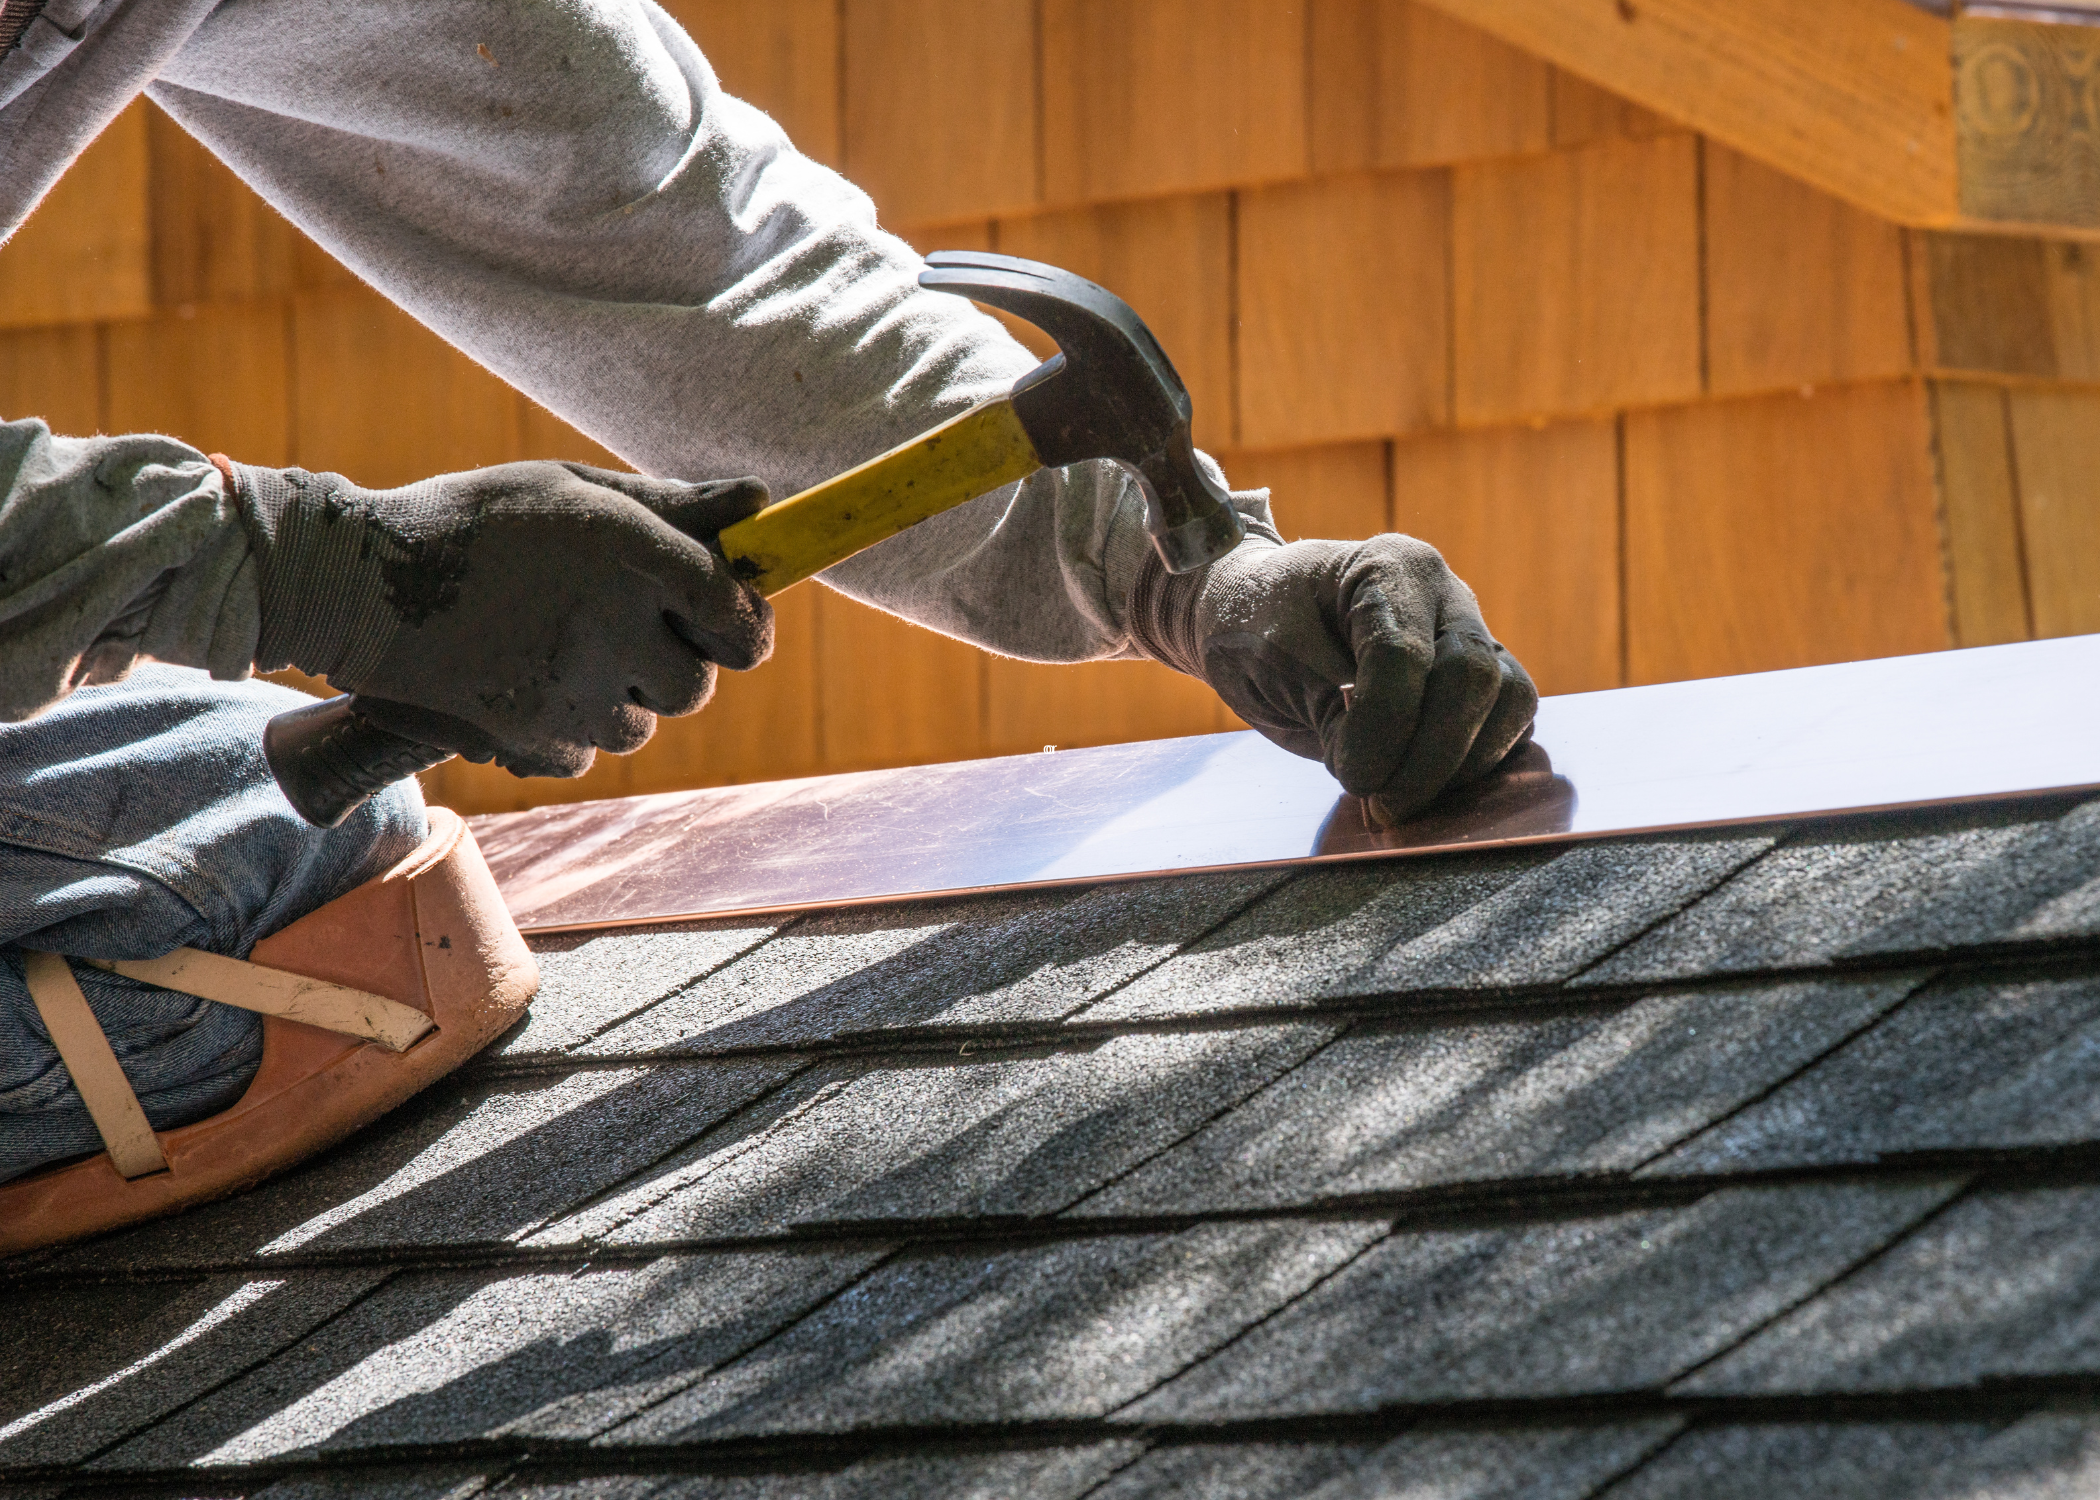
x=1110 y=393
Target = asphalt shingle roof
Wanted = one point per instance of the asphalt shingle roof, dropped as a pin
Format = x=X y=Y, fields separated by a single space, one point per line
x=1717 y=1164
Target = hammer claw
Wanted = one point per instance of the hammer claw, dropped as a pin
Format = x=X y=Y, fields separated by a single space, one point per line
x=1110 y=393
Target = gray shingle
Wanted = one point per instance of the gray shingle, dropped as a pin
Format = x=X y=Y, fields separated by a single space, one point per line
x=1464 y=921
x=1972 y=1063
x=1043 y=964
x=1918 y=883
x=14 y=1266
x=1554 y=921
x=448 y=1356
x=444 y=1482
x=590 y=981
x=1861 y=1461
x=2001 y=1284
x=1310 y=935
x=1246 y=1471
x=1039 y=1474
x=1064 y=1330
x=990 y=960
x=1791 y=1287
x=1389 y=1109
x=2047 y=1456
x=808 y=960
x=467 y=1162
x=83 y=1366
x=1021 y=1135
x=1544 y=1463
x=1614 y=1303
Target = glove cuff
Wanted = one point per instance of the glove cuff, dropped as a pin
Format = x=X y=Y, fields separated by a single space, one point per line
x=321 y=571
x=1162 y=614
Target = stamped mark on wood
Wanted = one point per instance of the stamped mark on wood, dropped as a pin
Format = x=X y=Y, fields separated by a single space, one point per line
x=2027 y=111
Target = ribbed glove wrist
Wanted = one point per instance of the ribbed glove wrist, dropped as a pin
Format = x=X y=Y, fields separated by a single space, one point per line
x=1162 y=614
x=340 y=569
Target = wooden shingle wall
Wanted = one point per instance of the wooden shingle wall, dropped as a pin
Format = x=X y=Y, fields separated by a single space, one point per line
x=1672 y=413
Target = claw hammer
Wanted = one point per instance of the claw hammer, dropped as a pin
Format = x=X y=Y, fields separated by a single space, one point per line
x=1109 y=393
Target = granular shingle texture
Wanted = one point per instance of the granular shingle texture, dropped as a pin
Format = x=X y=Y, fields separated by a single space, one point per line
x=1724 y=1164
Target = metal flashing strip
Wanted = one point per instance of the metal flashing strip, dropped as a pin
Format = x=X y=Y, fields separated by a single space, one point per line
x=1956 y=726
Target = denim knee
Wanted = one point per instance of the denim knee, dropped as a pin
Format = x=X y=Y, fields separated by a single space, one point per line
x=140 y=817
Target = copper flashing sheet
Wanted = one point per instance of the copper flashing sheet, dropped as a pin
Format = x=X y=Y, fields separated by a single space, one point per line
x=2000 y=721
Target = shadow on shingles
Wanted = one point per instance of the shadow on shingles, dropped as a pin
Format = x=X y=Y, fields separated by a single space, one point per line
x=1241 y=1119
x=1004 y=1136
x=2000 y=1287
x=1924 y=881
x=491 y=1161
x=1400 y=1105
x=94 y=1363
x=922 y=984
x=1071 y=1329
x=645 y=1335
x=967 y=1322
x=1066 y=1330
x=423 y=1178
x=442 y=1356
x=2050 y=874
x=1035 y=956
x=295 y=1407
x=445 y=1171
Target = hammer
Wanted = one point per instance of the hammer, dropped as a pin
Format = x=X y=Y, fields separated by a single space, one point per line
x=1109 y=392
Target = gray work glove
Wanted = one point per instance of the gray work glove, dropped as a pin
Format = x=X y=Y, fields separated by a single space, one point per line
x=1279 y=630
x=529 y=613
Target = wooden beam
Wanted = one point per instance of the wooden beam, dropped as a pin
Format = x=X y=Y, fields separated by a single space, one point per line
x=1991 y=121
x=2027 y=135
x=1853 y=96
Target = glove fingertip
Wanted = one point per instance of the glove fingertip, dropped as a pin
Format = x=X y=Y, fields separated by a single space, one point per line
x=703 y=514
x=738 y=640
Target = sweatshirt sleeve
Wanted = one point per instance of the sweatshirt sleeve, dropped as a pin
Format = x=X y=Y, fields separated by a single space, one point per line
x=113 y=548
x=566 y=194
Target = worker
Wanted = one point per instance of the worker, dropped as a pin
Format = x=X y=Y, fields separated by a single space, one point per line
x=564 y=192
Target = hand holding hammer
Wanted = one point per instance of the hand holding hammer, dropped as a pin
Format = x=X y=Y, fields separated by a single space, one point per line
x=1110 y=393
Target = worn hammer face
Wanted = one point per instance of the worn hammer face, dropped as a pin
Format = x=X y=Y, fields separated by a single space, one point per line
x=1110 y=393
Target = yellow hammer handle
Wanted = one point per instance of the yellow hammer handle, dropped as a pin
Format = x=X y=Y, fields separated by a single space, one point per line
x=964 y=457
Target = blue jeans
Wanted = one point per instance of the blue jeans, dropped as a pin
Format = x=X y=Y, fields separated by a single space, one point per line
x=136 y=818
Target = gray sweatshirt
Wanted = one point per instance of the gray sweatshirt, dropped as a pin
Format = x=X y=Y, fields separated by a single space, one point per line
x=560 y=189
